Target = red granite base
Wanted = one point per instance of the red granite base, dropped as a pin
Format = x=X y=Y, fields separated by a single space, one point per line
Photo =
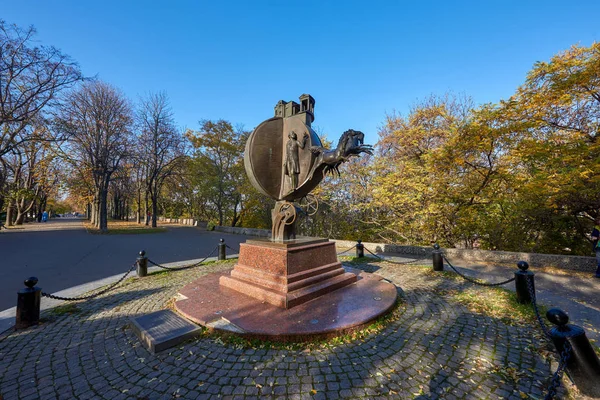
x=208 y=303
x=286 y=274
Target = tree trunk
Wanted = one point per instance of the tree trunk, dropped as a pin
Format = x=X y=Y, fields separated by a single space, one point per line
x=95 y=211
x=20 y=218
x=103 y=211
x=154 y=208
x=147 y=210
x=9 y=213
x=138 y=215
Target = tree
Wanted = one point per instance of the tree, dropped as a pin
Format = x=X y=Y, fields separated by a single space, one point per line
x=160 y=142
x=97 y=119
x=407 y=204
x=31 y=77
x=217 y=168
x=557 y=110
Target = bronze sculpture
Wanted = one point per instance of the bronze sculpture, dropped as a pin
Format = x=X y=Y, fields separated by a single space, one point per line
x=286 y=272
x=287 y=169
x=292 y=165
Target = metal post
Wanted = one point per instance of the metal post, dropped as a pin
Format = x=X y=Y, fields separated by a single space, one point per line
x=438 y=262
x=360 y=249
x=28 y=304
x=522 y=275
x=222 y=255
x=583 y=364
x=142 y=264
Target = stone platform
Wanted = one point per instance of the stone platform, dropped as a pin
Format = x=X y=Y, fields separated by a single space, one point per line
x=437 y=347
x=288 y=273
x=206 y=302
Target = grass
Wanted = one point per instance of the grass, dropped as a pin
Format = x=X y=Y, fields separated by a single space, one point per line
x=124 y=228
x=497 y=303
x=164 y=272
x=353 y=260
x=65 y=309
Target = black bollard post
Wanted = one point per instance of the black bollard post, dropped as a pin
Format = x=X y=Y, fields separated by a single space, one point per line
x=360 y=249
x=222 y=255
x=438 y=262
x=583 y=364
x=142 y=264
x=28 y=304
x=522 y=275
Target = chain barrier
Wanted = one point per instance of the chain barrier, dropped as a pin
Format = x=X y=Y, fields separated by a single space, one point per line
x=185 y=266
x=475 y=281
x=91 y=296
x=564 y=355
x=535 y=307
x=397 y=262
x=557 y=377
x=231 y=248
x=347 y=250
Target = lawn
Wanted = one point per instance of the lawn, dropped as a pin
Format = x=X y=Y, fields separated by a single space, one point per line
x=125 y=228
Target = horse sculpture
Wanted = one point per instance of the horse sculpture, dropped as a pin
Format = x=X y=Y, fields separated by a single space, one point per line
x=350 y=144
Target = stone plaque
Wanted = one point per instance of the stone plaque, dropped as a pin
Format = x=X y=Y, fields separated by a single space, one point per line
x=163 y=329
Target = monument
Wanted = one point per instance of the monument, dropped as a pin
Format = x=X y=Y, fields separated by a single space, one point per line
x=289 y=285
x=285 y=160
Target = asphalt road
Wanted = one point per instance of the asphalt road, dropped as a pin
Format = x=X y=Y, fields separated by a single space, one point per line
x=61 y=254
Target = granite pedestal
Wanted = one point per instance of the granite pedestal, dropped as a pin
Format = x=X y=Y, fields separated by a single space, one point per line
x=286 y=274
x=337 y=312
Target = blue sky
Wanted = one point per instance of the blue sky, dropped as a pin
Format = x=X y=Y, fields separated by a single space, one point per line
x=359 y=60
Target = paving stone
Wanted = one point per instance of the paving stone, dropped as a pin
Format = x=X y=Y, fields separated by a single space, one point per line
x=434 y=348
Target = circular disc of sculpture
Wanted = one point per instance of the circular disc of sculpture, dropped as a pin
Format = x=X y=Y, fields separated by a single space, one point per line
x=265 y=158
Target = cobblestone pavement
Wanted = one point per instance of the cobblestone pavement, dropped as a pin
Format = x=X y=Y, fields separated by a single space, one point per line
x=437 y=349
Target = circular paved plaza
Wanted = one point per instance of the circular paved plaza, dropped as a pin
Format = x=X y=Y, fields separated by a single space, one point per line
x=436 y=348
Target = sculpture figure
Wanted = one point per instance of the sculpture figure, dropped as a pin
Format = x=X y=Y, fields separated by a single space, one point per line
x=292 y=164
x=350 y=144
x=278 y=165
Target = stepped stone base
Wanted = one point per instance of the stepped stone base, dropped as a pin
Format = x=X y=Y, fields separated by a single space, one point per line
x=287 y=274
x=215 y=306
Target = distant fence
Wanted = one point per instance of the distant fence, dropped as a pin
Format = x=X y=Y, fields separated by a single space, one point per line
x=575 y=263
x=244 y=231
x=183 y=221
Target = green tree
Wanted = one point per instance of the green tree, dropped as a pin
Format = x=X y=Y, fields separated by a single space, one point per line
x=557 y=110
x=217 y=169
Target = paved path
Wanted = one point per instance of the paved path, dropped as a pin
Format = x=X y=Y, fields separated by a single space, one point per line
x=435 y=349
x=577 y=294
x=61 y=253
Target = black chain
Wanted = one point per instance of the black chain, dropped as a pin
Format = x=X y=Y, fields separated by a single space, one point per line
x=91 y=296
x=564 y=355
x=231 y=248
x=476 y=281
x=185 y=266
x=397 y=262
x=535 y=306
x=345 y=251
x=557 y=377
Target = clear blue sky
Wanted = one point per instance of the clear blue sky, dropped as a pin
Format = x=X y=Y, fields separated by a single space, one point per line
x=359 y=60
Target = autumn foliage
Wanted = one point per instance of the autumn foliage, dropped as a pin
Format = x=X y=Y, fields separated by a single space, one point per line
x=521 y=175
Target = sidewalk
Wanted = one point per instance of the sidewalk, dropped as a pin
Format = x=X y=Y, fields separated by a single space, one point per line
x=575 y=293
x=7 y=317
x=433 y=348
